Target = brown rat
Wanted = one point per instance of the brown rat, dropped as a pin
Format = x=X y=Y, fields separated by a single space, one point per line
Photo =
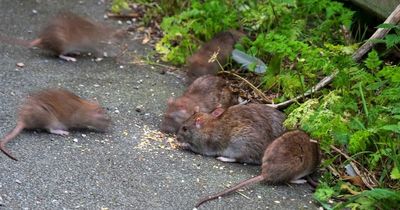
x=56 y=110
x=198 y=64
x=240 y=133
x=68 y=33
x=207 y=93
x=287 y=159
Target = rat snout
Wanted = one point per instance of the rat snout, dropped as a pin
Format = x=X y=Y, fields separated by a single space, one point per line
x=179 y=138
x=101 y=121
x=169 y=125
x=184 y=145
x=167 y=128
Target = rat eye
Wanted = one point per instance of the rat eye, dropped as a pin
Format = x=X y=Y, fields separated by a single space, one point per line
x=184 y=128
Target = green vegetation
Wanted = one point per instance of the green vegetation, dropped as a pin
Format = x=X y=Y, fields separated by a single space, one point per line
x=183 y=32
x=356 y=119
x=153 y=10
x=119 y=5
x=391 y=40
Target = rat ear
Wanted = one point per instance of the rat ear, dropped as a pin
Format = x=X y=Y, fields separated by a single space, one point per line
x=196 y=109
x=217 y=112
x=199 y=122
x=170 y=100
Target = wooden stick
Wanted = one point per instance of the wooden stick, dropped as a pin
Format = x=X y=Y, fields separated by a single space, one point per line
x=128 y=15
x=314 y=89
x=394 y=18
x=366 y=180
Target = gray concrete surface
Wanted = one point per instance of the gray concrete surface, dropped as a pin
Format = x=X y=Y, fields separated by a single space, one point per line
x=125 y=168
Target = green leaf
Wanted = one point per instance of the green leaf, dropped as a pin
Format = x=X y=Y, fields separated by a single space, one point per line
x=358 y=141
x=324 y=193
x=372 y=62
x=392 y=40
x=388 y=25
x=392 y=128
x=395 y=174
x=301 y=114
x=378 y=198
x=118 y=5
x=390 y=72
x=275 y=64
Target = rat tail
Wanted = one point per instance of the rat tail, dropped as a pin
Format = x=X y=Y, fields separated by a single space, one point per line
x=312 y=182
x=35 y=42
x=10 y=136
x=20 y=42
x=250 y=181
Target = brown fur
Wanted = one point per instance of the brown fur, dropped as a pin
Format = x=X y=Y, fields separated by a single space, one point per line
x=197 y=65
x=290 y=157
x=56 y=109
x=241 y=133
x=206 y=93
x=68 y=33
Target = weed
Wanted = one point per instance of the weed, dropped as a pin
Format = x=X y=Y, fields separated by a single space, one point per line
x=302 y=41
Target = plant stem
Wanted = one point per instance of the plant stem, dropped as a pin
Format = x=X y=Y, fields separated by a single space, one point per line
x=363 y=101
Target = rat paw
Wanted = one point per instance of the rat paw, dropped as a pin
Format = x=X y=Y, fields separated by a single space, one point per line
x=226 y=160
x=298 y=181
x=67 y=58
x=59 y=132
x=184 y=145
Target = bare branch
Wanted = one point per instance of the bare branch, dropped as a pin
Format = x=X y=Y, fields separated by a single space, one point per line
x=394 y=18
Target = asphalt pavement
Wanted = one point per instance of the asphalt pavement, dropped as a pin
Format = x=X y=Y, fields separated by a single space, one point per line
x=133 y=165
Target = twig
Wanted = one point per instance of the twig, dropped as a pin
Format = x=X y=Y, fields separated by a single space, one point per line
x=243 y=195
x=334 y=171
x=123 y=16
x=314 y=89
x=367 y=180
x=251 y=85
x=394 y=18
x=143 y=61
x=344 y=154
x=214 y=58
